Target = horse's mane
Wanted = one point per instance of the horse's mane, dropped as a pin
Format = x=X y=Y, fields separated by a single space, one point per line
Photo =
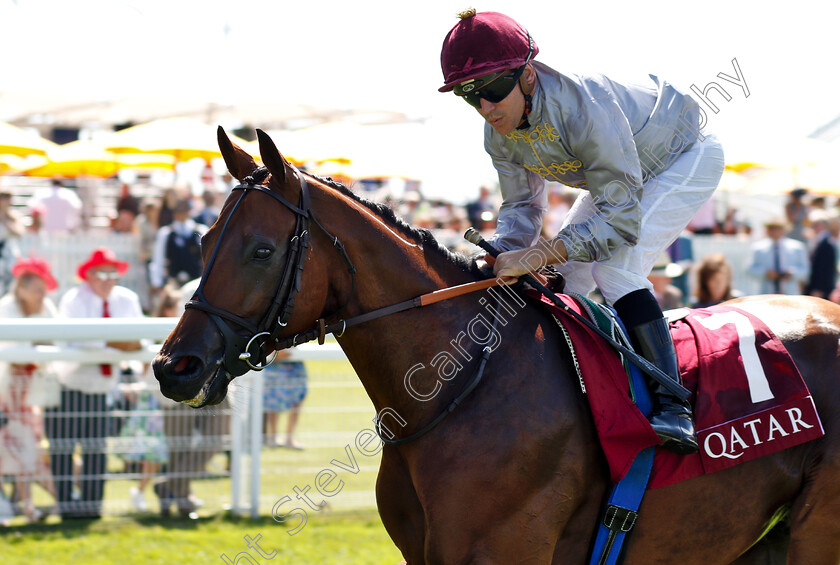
x=420 y=235
x=554 y=280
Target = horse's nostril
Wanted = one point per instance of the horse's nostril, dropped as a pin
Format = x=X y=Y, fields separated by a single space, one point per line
x=185 y=368
x=182 y=365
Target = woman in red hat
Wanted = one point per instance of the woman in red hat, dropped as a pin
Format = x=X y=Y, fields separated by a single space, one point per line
x=27 y=388
x=637 y=152
x=83 y=417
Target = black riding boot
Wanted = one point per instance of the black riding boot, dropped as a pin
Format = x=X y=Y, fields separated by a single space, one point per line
x=671 y=418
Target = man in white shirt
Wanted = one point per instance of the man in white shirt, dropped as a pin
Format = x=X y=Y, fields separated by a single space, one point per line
x=780 y=263
x=82 y=418
x=61 y=208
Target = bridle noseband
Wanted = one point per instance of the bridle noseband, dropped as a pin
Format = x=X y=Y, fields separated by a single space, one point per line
x=241 y=351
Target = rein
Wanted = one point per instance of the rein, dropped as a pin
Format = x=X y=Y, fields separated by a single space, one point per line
x=320 y=330
x=264 y=338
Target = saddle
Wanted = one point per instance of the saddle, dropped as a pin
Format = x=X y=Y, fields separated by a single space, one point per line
x=749 y=398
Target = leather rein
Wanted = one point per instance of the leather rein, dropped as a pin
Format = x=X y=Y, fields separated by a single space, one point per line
x=240 y=351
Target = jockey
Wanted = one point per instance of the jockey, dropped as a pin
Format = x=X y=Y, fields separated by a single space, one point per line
x=638 y=154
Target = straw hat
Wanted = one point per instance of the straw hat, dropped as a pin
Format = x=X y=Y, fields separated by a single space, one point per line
x=664 y=267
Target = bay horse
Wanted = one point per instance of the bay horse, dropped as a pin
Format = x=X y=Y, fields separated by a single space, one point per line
x=515 y=473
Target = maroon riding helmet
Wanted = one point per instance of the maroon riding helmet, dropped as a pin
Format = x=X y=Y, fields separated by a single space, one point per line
x=483 y=43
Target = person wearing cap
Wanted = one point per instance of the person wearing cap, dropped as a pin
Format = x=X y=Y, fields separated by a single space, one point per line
x=26 y=389
x=177 y=255
x=661 y=277
x=82 y=417
x=637 y=152
x=778 y=262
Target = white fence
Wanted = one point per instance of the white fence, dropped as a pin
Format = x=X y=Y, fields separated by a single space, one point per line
x=220 y=453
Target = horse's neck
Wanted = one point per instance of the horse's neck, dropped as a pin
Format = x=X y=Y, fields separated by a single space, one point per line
x=414 y=364
x=403 y=360
x=384 y=350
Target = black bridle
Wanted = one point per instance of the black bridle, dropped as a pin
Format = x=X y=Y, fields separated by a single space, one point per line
x=261 y=339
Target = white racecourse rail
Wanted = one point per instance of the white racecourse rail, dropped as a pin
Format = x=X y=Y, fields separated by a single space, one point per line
x=254 y=476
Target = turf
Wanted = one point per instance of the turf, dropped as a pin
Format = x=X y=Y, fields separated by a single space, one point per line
x=347 y=538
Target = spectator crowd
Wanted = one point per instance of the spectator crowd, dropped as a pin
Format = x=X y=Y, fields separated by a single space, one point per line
x=62 y=425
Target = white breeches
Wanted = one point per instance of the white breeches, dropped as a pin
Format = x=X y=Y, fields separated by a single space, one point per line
x=669 y=201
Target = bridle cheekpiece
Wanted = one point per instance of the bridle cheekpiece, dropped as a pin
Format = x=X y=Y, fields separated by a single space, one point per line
x=251 y=352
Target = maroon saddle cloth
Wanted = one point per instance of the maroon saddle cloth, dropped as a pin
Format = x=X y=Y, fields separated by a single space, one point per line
x=749 y=398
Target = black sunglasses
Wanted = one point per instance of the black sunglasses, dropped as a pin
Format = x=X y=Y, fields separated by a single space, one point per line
x=494 y=87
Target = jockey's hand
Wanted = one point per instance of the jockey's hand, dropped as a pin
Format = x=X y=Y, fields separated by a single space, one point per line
x=510 y=265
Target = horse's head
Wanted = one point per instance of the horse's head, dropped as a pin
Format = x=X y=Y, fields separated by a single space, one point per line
x=254 y=257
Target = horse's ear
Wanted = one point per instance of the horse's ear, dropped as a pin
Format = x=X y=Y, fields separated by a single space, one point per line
x=272 y=158
x=238 y=161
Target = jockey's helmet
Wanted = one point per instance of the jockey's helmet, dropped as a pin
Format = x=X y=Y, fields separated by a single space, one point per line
x=483 y=43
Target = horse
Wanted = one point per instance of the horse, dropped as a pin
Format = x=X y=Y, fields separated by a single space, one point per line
x=514 y=472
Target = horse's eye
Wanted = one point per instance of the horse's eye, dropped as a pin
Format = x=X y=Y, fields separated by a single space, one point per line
x=262 y=253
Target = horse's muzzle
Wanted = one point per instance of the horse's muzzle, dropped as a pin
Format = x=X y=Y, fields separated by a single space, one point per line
x=188 y=379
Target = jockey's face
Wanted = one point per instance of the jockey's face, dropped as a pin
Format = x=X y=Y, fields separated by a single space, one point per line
x=506 y=115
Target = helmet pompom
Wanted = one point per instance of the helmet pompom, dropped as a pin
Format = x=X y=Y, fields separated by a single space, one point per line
x=468 y=13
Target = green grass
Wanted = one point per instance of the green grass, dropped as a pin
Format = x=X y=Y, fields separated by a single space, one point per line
x=348 y=531
x=347 y=538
